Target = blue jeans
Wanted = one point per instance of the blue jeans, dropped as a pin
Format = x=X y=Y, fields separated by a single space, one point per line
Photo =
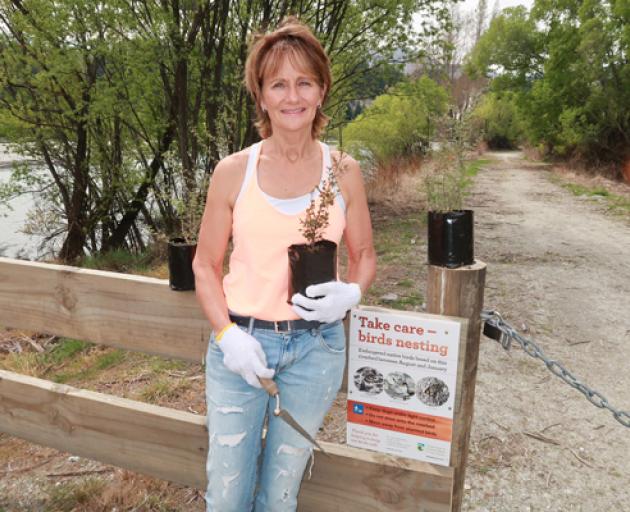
x=309 y=368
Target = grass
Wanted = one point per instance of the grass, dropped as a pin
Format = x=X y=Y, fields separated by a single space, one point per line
x=620 y=204
x=123 y=261
x=396 y=235
x=40 y=364
x=399 y=241
x=109 y=359
x=87 y=368
x=580 y=190
x=75 y=371
x=67 y=496
x=614 y=202
x=164 y=365
x=66 y=349
x=123 y=491
x=79 y=363
x=473 y=167
x=164 y=389
x=407 y=300
x=155 y=504
x=413 y=301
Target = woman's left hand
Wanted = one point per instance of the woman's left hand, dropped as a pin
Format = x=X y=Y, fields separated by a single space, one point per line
x=335 y=299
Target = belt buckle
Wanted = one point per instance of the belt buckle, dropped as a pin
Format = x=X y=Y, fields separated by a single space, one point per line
x=277 y=329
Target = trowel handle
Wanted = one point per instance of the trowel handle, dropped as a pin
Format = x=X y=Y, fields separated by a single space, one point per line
x=269 y=386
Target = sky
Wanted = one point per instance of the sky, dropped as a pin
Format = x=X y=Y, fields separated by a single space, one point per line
x=469 y=5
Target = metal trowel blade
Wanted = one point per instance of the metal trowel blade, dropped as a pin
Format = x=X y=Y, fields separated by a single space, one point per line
x=298 y=428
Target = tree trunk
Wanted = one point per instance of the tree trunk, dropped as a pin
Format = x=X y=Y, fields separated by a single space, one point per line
x=117 y=238
x=77 y=214
x=212 y=96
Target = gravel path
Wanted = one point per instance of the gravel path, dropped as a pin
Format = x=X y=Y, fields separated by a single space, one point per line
x=558 y=268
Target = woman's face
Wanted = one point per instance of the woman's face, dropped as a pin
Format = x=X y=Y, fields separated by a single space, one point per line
x=290 y=97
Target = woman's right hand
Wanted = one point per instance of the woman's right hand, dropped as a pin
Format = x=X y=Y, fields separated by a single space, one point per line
x=243 y=354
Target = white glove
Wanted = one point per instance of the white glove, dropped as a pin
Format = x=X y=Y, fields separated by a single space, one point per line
x=336 y=299
x=243 y=354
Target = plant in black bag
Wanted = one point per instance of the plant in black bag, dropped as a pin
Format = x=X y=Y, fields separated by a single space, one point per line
x=450 y=227
x=182 y=246
x=315 y=262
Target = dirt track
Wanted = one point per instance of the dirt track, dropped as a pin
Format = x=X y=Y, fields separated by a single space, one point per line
x=559 y=267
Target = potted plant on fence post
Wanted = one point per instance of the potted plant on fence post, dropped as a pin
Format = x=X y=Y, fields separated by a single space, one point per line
x=450 y=228
x=181 y=252
x=315 y=261
x=182 y=246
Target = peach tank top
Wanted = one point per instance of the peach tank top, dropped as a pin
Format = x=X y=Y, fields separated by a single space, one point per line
x=258 y=279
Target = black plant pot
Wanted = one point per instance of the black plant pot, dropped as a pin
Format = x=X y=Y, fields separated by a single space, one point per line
x=180 y=258
x=311 y=264
x=451 y=238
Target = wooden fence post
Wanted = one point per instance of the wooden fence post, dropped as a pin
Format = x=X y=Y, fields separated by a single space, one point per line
x=459 y=292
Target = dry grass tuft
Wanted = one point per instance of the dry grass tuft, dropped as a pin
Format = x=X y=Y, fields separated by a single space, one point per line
x=396 y=185
x=123 y=491
x=591 y=180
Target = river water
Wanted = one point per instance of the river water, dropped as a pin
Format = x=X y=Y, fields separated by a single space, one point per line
x=14 y=243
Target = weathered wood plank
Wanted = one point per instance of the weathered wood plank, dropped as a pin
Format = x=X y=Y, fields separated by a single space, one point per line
x=172 y=445
x=154 y=440
x=131 y=312
x=356 y=479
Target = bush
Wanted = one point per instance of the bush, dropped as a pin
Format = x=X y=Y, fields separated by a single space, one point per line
x=397 y=124
x=498 y=119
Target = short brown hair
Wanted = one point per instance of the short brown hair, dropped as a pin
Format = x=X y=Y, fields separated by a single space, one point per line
x=294 y=40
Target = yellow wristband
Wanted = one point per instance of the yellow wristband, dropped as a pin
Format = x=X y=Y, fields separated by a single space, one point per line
x=218 y=337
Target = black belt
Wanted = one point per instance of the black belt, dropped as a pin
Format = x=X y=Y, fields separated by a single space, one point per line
x=279 y=326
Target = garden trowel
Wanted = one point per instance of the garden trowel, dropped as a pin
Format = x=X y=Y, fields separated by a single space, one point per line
x=270 y=387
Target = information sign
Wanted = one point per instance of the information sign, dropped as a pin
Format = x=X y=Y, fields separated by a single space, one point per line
x=402 y=371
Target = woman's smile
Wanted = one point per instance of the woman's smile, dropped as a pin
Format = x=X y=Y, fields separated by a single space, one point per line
x=293 y=111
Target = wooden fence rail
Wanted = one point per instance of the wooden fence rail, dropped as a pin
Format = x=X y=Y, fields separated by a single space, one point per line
x=143 y=314
x=120 y=310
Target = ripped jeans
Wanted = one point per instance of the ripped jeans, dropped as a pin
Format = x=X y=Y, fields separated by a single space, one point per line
x=309 y=368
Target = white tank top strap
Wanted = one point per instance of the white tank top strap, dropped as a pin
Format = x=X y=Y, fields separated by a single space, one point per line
x=327 y=161
x=252 y=163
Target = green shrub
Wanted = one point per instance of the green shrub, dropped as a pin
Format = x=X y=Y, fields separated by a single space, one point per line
x=498 y=119
x=397 y=124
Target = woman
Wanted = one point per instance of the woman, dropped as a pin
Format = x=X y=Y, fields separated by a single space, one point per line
x=257 y=196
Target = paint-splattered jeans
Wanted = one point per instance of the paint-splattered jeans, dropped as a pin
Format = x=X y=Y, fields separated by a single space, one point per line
x=309 y=368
